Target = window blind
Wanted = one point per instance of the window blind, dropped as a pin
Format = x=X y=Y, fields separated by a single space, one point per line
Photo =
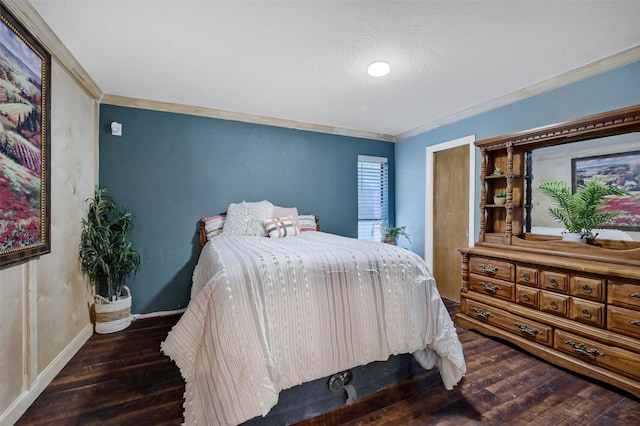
x=373 y=196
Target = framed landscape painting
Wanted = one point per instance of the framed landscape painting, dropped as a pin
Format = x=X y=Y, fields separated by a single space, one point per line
x=25 y=70
x=621 y=170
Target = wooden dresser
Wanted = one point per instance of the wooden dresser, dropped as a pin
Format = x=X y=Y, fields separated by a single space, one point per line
x=581 y=315
x=575 y=305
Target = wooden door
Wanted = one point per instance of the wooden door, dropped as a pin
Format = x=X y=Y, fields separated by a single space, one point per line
x=450 y=217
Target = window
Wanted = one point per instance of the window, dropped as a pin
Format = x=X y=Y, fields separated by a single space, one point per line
x=373 y=196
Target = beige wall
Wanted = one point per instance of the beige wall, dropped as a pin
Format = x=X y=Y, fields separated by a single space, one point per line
x=44 y=316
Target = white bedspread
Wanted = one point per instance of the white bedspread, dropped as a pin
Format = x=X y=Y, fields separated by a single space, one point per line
x=268 y=314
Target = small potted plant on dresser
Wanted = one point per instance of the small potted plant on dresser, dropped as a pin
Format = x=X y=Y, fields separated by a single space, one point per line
x=581 y=212
x=107 y=257
x=500 y=197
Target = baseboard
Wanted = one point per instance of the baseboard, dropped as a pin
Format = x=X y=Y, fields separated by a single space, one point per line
x=13 y=413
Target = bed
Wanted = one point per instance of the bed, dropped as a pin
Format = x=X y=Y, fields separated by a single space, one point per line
x=269 y=313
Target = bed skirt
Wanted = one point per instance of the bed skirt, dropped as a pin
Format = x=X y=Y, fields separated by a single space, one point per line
x=314 y=398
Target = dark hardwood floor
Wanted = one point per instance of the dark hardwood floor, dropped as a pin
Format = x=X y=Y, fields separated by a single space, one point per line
x=124 y=379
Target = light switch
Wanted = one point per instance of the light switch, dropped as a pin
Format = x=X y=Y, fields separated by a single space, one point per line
x=116 y=128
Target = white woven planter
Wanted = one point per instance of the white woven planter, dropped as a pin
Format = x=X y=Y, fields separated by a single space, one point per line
x=112 y=316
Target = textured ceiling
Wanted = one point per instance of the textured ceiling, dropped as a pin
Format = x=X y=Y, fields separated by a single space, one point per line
x=306 y=60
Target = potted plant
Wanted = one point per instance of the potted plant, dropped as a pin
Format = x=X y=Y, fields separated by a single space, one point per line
x=500 y=197
x=107 y=257
x=581 y=212
x=391 y=234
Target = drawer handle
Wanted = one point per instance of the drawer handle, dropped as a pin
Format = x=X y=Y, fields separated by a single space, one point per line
x=634 y=295
x=526 y=329
x=490 y=269
x=586 y=313
x=482 y=313
x=490 y=287
x=553 y=305
x=554 y=282
x=586 y=288
x=581 y=349
x=526 y=298
x=635 y=323
x=526 y=277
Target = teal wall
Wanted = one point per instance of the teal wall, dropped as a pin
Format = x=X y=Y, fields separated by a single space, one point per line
x=610 y=90
x=172 y=169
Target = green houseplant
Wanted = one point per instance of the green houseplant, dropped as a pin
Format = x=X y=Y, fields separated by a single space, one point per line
x=107 y=258
x=391 y=234
x=500 y=197
x=581 y=212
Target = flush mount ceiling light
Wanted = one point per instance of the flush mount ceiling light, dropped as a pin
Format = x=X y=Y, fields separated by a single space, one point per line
x=379 y=69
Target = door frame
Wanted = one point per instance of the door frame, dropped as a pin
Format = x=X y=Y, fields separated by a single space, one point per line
x=428 y=227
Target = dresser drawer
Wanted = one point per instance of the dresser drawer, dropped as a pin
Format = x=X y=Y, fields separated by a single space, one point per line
x=591 y=313
x=492 y=268
x=527 y=276
x=554 y=303
x=624 y=321
x=596 y=353
x=498 y=288
x=527 y=296
x=517 y=325
x=587 y=288
x=556 y=281
x=624 y=294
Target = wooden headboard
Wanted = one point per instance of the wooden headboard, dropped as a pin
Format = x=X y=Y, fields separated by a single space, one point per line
x=203 y=233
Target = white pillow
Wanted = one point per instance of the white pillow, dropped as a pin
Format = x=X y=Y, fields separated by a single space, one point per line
x=281 y=227
x=246 y=218
x=213 y=225
x=284 y=212
x=307 y=222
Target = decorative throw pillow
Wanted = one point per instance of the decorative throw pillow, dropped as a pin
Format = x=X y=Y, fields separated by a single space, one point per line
x=213 y=225
x=281 y=227
x=246 y=218
x=307 y=222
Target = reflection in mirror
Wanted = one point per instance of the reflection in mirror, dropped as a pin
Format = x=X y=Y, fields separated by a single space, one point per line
x=554 y=164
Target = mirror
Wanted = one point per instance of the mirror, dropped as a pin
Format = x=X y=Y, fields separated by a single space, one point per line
x=576 y=140
x=554 y=163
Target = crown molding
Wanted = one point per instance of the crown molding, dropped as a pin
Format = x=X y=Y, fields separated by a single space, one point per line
x=238 y=116
x=606 y=64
